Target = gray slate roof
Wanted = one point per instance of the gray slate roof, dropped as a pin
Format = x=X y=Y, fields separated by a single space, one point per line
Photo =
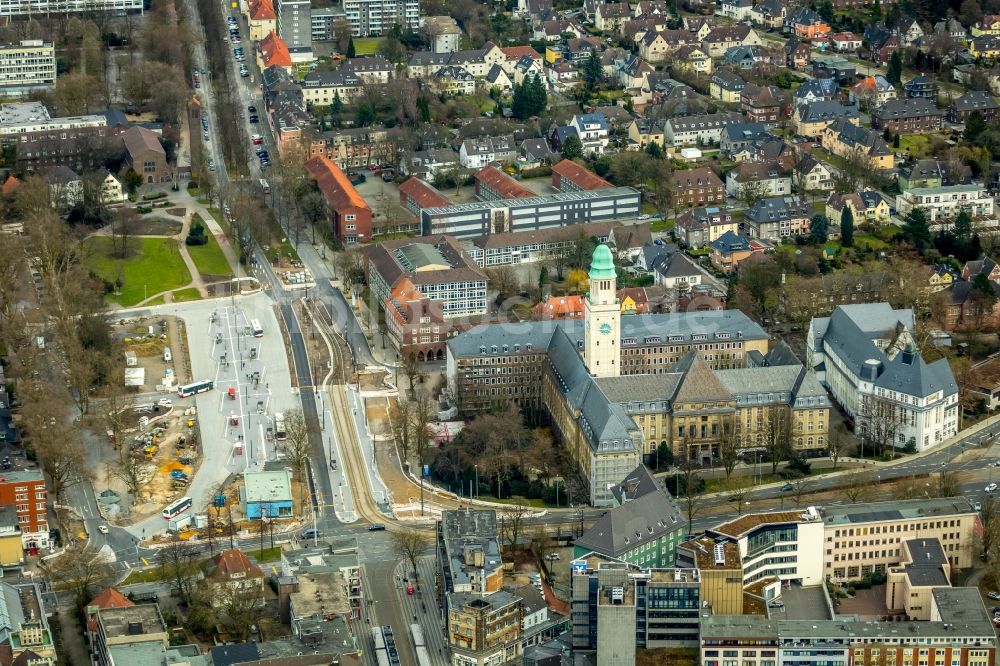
x=644 y=518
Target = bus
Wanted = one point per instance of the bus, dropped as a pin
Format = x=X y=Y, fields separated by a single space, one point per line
x=177 y=508
x=256 y=329
x=279 y=426
x=195 y=387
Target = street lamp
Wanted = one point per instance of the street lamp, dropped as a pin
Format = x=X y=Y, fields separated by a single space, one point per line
x=477 y=483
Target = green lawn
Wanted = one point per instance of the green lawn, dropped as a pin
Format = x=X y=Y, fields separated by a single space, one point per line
x=182 y=295
x=209 y=257
x=366 y=45
x=153 y=265
x=156 y=574
x=918 y=145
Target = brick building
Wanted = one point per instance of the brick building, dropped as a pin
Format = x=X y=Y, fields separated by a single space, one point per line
x=698 y=187
x=25 y=490
x=350 y=216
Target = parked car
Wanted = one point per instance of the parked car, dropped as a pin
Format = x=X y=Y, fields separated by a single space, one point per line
x=376 y=527
x=776 y=603
x=257 y=139
x=993 y=595
x=991 y=487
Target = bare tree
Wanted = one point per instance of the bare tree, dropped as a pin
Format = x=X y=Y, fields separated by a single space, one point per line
x=739 y=489
x=123 y=224
x=989 y=515
x=81 y=570
x=691 y=483
x=239 y=606
x=729 y=448
x=777 y=433
x=800 y=489
x=410 y=544
x=118 y=413
x=176 y=561
x=880 y=422
x=296 y=446
x=512 y=521
x=411 y=368
x=859 y=487
x=837 y=443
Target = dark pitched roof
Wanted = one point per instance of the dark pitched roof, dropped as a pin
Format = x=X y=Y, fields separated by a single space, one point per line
x=236 y=653
x=896 y=109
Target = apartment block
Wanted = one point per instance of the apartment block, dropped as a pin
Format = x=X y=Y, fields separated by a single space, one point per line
x=294 y=22
x=30 y=65
x=372 y=18
x=943 y=204
x=58 y=7
x=530 y=246
x=484 y=630
x=25 y=490
x=468 y=552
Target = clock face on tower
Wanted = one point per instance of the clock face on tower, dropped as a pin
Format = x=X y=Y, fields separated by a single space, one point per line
x=605 y=328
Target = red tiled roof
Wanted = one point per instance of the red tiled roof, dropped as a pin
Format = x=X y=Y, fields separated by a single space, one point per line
x=559 y=307
x=109 y=598
x=274 y=51
x=422 y=192
x=515 y=53
x=262 y=10
x=232 y=561
x=334 y=185
x=587 y=180
x=502 y=184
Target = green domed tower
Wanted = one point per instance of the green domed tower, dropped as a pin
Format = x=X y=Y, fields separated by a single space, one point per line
x=601 y=327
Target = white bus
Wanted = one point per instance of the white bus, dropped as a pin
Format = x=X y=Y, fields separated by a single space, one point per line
x=177 y=508
x=256 y=329
x=279 y=426
x=195 y=387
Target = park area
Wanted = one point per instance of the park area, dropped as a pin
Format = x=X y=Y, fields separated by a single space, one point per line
x=166 y=260
x=151 y=265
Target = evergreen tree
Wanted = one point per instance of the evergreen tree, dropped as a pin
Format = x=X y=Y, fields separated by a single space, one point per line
x=846 y=227
x=424 y=107
x=530 y=98
x=894 y=74
x=337 y=105
x=895 y=141
x=974 y=126
x=573 y=148
x=653 y=150
x=592 y=71
x=916 y=228
x=819 y=229
x=963 y=229
x=350 y=49
x=876 y=11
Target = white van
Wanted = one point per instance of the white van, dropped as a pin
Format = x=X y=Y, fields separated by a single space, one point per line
x=167 y=356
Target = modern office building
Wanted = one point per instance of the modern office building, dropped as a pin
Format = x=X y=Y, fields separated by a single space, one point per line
x=28 y=66
x=959 y=632
x=778 y=546
x=372 y=18
x=531 y=213
x=616 y=607
x=861 y=538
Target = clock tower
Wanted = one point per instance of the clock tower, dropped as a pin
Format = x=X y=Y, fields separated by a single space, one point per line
x=601 y=326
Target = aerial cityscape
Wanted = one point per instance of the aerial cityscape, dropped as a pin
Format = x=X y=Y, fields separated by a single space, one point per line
x=535 y=333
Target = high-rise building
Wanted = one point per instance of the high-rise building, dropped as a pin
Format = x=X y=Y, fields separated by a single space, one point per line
x=371 y=18
x=295 y=27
